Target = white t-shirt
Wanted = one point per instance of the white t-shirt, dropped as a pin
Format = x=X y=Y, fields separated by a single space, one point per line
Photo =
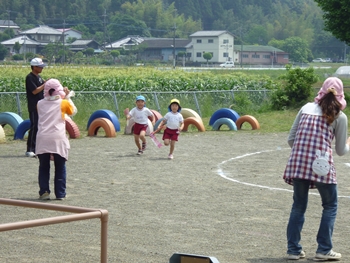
x=140 y=116
x=173 y=120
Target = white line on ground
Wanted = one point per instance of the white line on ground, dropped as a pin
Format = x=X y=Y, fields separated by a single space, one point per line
x=220 y=171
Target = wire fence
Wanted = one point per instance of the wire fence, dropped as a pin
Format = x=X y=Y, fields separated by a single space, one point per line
x=205 y=103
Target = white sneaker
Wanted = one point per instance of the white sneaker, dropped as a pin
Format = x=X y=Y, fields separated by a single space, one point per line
x=331 y=255
x=296 y=257
x=30 y=154
x=45 y=196
x=170 y=156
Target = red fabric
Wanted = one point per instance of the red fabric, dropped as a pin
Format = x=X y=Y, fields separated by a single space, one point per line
x=139 y=127
x=171 y=134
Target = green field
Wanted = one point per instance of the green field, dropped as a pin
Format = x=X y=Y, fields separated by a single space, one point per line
x=149 y=79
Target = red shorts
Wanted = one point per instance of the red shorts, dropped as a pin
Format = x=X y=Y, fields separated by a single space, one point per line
x=171 y=134
x=139 y=127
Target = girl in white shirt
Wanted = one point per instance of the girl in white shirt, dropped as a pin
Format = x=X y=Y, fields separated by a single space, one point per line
x=174 y=124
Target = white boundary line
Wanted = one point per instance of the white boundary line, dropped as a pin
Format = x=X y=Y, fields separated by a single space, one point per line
x=220 y=171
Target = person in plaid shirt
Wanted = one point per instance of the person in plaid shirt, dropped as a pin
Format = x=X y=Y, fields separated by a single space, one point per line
x=311 y=165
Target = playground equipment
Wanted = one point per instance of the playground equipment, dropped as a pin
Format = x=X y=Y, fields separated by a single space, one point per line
x=21 y=130
x=250 y=119
x=72 y=128
x=105 y=114
x=156 y=115
x=103 y=123
x=11 y=119
x=193 y=121
x=2 y=134
x=157 y=124
x=224 y=121
x=223 y=113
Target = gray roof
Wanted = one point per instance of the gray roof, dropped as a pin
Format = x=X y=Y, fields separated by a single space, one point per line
x=150 y=42
x=43 y=30
x=68 y=29
x=8 y=23
x=256 y=48
x=82 y=42
x=165 y=42
x=212 y=33
x=126 y=40
x=20 y=40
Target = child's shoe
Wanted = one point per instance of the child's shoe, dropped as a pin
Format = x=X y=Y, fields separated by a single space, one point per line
x=144 y=146
x=139 y=152
x=170 y=156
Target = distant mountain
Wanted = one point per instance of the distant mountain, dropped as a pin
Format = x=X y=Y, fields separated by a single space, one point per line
x=251 y=21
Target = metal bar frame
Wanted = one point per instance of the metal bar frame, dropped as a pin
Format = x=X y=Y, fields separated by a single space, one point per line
x=82 y=214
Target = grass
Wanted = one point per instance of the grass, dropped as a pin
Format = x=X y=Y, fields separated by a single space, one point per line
x=270 y=121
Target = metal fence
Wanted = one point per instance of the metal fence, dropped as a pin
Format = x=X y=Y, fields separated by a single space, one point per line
x=203 y=102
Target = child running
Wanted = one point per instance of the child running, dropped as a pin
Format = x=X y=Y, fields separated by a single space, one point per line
x=140 y=113
x=174 y=124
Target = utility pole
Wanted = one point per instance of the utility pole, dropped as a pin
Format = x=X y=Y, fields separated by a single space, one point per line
x=9 y=17
x=64 y=41
x=104 y=29
x=345 y=59
x=24 y=48
x=241 y=48
x=174 y=57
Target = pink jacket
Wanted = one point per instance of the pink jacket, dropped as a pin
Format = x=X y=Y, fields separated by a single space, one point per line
x=51 y=137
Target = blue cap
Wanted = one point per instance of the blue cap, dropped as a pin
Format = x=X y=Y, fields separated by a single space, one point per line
x=140 y=97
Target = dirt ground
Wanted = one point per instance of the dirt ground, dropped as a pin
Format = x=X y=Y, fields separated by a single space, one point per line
x=222 y=196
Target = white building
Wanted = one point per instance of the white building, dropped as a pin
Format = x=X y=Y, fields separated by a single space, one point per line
x=219 y=43
x=70 y=33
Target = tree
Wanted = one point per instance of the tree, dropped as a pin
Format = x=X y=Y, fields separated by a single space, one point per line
x=3 y=51
x=50 y=51
x=337 y=17
x=296 y=88
x=124 y=25
x=297 y=48
x=207 y=56
x=17 y=47
x=115 y=54
x=257 y=35
x=89 y=51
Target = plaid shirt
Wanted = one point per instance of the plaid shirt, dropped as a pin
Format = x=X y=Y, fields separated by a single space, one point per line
x=313 y=133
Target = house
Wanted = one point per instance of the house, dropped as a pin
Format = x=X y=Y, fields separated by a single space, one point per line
x=27 y=44
x=126 y=43
x=5 y=24
x=161 y=49
x=260 y=55
x=82 y=44
x=219 y=43
x=70 y=33
x=33 y=40
x=43 y=34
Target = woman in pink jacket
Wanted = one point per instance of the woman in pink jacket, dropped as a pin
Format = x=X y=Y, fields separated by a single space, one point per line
x=52 y=139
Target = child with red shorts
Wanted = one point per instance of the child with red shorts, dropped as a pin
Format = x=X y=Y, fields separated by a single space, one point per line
x=140 y=113
x=174 y=124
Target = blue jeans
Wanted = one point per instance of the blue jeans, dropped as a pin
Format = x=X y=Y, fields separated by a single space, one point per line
x=60 y=174
x=329 y=197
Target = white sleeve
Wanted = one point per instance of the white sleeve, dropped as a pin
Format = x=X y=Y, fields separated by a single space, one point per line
x=341 y=136
x=68 y=98
x=293 y=130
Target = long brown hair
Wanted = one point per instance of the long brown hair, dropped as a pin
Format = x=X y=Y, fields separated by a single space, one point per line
x=330 y=107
